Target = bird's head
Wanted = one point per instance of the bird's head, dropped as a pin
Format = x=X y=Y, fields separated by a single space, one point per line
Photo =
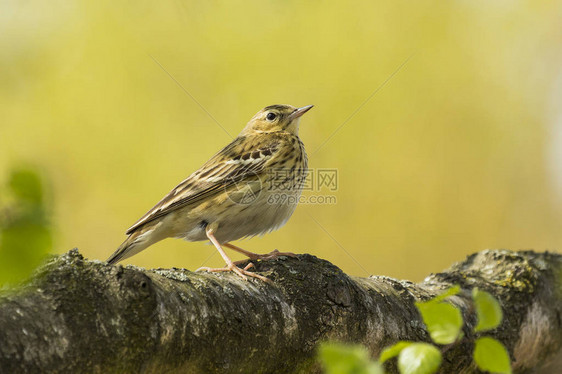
x=276 y=118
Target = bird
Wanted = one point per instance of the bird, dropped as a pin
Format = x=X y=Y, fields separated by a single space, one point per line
x=250 y=187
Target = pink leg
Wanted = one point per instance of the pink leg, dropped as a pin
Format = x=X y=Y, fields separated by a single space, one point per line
x=230 y=266
x=256 y=256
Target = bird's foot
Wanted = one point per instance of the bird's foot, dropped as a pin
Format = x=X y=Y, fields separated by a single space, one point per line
x=256 y=256
x=243 y=273
x=268 y=256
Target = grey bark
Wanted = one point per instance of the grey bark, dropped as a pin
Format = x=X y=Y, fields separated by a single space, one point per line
x=77 y=316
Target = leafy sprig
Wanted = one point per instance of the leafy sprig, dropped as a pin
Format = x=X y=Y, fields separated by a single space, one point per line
x=444 y=323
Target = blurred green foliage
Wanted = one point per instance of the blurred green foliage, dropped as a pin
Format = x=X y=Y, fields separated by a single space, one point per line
x=488 y=310
x=393 y=351
x=444 y=322
x=419 y=358
x=490 y=355
x=347 y=359
x=25 y=230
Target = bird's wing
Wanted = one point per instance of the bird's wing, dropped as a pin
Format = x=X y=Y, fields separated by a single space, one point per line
x=229 y=166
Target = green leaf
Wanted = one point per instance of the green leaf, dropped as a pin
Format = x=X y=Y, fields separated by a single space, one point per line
x=338 y=358
x=491 y=355
x=443 y=321
x=25 y=184
x=25 y=233
x=448 y=293
x=393 y=351
x=488 y=310
x=419 y=358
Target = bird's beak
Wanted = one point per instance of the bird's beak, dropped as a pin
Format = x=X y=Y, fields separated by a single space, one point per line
x=300 y=111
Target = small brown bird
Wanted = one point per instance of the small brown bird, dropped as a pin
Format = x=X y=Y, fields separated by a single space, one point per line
x=250 y=187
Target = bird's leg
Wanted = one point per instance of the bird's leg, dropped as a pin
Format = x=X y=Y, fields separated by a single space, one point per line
x=256 y=256
x=230 y=266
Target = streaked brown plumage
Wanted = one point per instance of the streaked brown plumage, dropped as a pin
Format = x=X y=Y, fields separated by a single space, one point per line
x=248 y=188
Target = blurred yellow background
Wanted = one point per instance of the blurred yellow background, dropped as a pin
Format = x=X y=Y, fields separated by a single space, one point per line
x=443 y=119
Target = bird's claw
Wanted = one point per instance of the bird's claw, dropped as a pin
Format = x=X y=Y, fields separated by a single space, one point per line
x=243 y=273
x=268 y=256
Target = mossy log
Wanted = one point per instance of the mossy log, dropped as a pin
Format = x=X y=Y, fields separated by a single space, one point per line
x=80 y=316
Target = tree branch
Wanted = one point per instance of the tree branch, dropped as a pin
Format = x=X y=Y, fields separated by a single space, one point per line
x=85 y=316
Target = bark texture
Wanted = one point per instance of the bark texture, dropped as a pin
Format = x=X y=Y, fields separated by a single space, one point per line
x=80 y=316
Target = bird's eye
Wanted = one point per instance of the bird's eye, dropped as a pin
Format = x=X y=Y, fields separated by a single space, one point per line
x=271 y=116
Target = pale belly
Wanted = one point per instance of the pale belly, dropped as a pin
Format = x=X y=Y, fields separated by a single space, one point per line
x=238 y=215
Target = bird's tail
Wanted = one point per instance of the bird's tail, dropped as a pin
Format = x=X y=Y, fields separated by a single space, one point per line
x=135 y=243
